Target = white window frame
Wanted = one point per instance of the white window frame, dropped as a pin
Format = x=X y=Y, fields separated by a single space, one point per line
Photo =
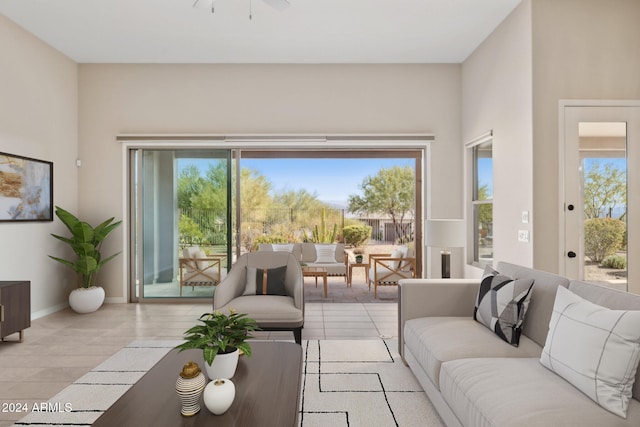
x=473 y=253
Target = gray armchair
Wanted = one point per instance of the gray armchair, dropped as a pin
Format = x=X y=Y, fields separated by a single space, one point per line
x=271 y=312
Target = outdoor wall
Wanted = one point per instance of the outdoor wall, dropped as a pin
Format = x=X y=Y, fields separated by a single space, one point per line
x=170 y=99
x=582 y=49
x=496 y=96
x=38 y=119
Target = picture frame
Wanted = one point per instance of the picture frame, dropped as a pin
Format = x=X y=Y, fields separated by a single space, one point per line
x=26 y=189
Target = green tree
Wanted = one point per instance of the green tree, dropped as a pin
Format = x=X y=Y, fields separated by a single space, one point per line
x=254 y=202
x=190 y=183
x=605 y=186
x=390 y=192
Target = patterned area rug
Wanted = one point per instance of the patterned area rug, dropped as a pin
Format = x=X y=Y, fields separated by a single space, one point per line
x=346 y=383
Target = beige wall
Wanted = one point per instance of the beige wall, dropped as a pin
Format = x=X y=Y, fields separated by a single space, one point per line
x=38 y=118
x=582 y=49
x=171 y=99
x=496 y=94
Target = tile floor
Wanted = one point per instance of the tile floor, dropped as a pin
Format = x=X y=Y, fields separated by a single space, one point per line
x=61 y=347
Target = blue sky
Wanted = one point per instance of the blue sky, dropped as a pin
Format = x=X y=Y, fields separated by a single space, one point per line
x=333 y=180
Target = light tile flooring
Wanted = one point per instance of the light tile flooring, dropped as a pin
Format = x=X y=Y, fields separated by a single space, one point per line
x=61 y=347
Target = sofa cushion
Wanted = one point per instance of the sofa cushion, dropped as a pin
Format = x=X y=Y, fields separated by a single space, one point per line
x=543 y=296
x=269 y=310
x=594 y=348
x=435 y=340
x=502 y=304
x=334 y=269
x=282 y=247
x=505 y=392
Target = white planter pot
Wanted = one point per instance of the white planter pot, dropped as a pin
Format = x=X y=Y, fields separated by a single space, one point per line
x=86 y=300
x=223 y=365
x=218 y=395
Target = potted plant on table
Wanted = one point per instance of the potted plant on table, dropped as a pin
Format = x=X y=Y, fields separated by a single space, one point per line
x=220 y=337
x=86 y=242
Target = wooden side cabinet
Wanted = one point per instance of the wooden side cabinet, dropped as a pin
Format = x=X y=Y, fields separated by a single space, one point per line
x=15 y=308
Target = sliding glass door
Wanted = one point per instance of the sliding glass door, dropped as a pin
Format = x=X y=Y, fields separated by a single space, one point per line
x=181 y=237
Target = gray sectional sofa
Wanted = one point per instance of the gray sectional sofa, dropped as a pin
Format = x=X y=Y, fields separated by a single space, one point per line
x=473 y=378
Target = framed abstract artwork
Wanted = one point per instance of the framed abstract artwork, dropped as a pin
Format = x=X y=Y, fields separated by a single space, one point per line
x=26 y=189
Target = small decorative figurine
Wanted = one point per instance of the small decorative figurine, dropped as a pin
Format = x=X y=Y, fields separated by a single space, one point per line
x=189 y=387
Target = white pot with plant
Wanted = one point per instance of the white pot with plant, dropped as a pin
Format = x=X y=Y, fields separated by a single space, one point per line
x=85 y=241
x=220 y=337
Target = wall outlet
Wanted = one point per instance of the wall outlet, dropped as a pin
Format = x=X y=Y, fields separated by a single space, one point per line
x=525 y=217
x=523 y=236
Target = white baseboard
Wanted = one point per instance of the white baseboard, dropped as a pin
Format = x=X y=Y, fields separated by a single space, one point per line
x=47 y=311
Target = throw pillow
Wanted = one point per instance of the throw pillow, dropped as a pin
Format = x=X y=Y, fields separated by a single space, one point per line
x=325 y=253
x=396 y=253
x=594 y=348
x=270 y=281
x=502 y=304
x=250 y=286
x=287 y=247
x=202 y=265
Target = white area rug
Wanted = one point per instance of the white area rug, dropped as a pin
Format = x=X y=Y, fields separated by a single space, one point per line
x=345 y=383
x=361 y=383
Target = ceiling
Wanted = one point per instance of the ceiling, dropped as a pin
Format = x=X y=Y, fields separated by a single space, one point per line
x=309 y=31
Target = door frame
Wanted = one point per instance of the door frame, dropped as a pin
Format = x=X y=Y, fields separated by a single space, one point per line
x=275 y=142
x=633 y=175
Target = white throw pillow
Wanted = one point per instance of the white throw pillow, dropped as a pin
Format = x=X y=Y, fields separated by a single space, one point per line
x=325 y=253
x=594 y=348
x=286 y=247
x=396 y=253
x=202 y=265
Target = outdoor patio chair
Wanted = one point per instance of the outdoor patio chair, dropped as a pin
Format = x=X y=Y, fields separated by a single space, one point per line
x=199 y=269
x=267 y=286
x=389 y=269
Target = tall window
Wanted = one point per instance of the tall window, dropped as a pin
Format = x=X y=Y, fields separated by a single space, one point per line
x=482 y=203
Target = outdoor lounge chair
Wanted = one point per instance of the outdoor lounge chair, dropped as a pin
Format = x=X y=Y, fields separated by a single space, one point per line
x=246 y=294
x=389 y=269
x=199 y=269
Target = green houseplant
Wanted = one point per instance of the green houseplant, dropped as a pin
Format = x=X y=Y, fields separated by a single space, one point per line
x=220 y=335
x=86 y=242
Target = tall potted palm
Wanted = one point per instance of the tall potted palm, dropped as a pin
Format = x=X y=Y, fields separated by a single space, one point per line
x=86 y=242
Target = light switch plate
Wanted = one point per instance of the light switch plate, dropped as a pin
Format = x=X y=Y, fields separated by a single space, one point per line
x=525 y=217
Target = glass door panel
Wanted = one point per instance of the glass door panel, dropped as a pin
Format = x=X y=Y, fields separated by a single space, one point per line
x=601 y=188
x=183 y=236
x=603 y=175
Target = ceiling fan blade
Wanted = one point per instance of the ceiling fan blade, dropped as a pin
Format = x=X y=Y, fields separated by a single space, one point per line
x=279 y=5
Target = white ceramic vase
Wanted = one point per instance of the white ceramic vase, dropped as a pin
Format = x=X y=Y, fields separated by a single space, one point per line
x=86 y=300
x=218 y=395
x=223 y=365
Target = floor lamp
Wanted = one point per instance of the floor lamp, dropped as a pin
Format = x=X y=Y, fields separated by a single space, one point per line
x=445 y=234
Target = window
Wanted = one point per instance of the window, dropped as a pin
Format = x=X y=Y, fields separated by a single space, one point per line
x=482 y=202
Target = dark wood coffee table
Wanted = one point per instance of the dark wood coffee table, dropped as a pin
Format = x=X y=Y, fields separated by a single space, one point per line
x=267 y=392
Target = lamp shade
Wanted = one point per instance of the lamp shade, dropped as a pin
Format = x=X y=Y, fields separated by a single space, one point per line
x=445 y=233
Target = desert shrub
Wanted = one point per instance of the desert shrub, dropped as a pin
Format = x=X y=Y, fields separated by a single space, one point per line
x=268 y=238
x=602 y=237
x=618 y=262
x=356 y=235
x=189 y=231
